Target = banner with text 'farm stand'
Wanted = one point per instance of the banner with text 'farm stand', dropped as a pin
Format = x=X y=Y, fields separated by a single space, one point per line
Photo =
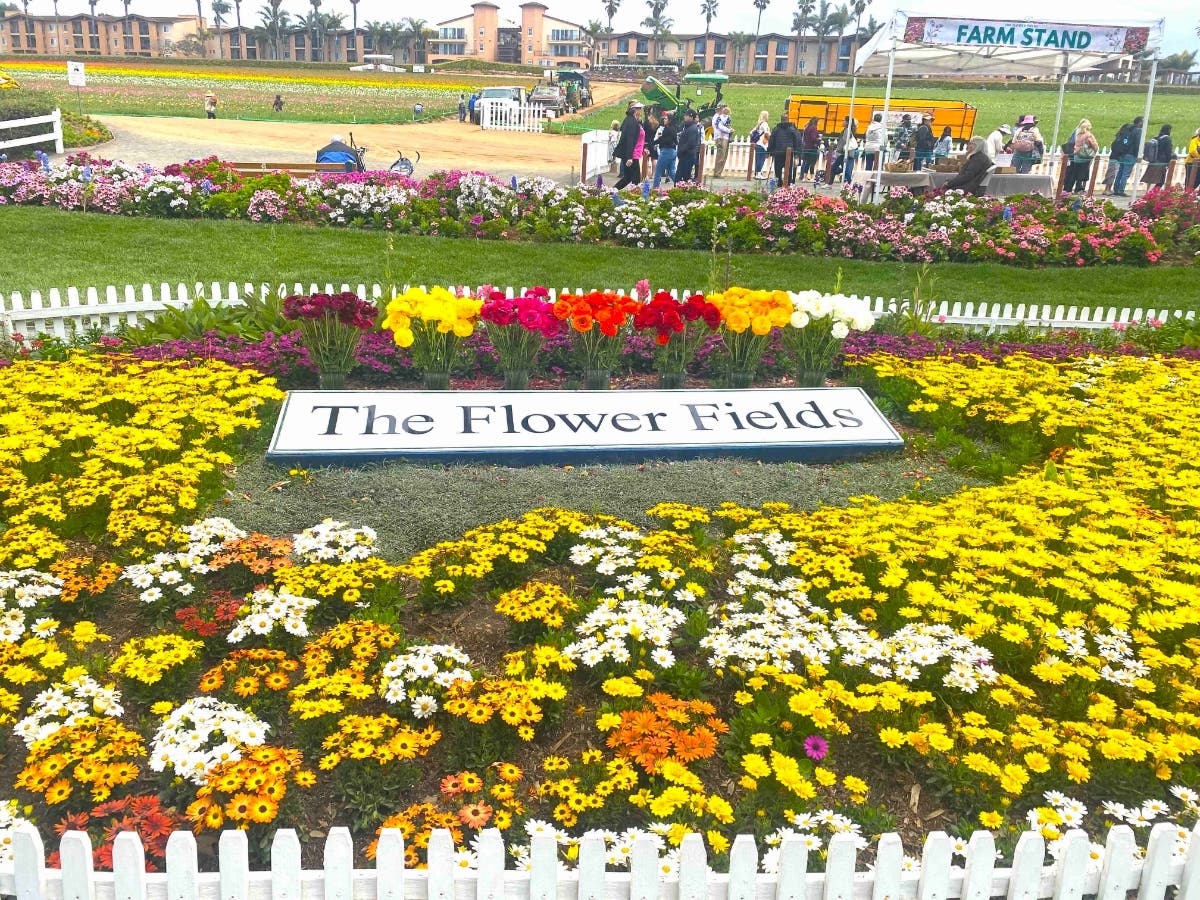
x=1026 y=35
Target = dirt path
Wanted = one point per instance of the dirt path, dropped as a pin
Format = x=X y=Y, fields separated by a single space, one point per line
x=443 y=143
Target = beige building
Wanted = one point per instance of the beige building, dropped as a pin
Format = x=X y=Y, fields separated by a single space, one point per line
x=537 y=40
x=102 y=35
x=768 y=54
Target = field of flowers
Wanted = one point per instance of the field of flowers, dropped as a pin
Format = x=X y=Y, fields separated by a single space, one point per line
x=146 y=88
x=1023 y=231
x=1018 y=654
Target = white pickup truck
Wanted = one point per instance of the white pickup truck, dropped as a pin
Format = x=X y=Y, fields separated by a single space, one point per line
x=506 y=96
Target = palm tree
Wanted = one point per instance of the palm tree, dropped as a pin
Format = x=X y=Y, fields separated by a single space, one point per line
x=708 y=9
x=592 y=33
x=610 y=10
x=273 y=23
x=237 y=6
x=761 y=6
x=417 y=32
x=830 y=22
x=200 y=26
x=127 y=29
x=740 y=41
x=801 y=22
x=314 y=20
x=92 y=24
x=657 y=23
x=331 y=24
x=354 y=29
x=220 y=10
x=382 y=36
x=859 y=7
x=866 y=32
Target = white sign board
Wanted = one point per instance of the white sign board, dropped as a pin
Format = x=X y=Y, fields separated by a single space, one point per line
x=75 y=75
x=533 y=427
x=833 y=84
x=1027 y=35
x=418 y=68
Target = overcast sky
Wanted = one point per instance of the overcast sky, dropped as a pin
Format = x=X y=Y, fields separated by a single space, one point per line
x=1182 y=16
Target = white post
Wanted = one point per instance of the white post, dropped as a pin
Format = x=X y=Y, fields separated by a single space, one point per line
x=1145 y=127
x=887 y=102
x=58 y=133
x=1062 y=89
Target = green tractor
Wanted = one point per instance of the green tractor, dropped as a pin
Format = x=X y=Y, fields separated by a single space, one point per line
x=660 y=97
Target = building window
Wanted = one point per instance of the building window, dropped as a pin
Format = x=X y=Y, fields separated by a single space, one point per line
x=781 y=64
x=760 y=64
x=564 y=34
x=53 y=42
x=51 y=26
x=781 y=48
x=699 y=47
x=643 y=45
x=530 y=48
x=531 y=31
x=481 y=45
x=719 y=46
x=760 y=47
x=718 y=64
x=622 y=44
x=481 y=32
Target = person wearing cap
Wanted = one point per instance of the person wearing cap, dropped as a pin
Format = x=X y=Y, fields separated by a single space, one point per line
x=630 y=145
x=666 y=139
x=1027 y=145
x=996 y=141
x=925 y=141
x=904 y=137
x=688 y=147
x=1124 y=153
x=210 y=105
x=338 y=151
x=722 y=131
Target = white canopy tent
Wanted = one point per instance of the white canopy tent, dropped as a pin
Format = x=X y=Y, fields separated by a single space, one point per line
x=912 y=44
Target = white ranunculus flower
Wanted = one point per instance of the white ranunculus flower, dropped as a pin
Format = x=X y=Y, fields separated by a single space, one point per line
x=839 y=330
x=799 y=319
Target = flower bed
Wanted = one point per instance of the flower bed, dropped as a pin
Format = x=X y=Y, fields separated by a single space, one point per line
x=1028 y=231
x=1020 y=649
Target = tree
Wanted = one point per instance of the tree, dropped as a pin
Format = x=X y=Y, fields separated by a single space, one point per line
x=354 y=26
x=708 y=9
x=802 y=20
x=273 y=22
x=658 y=24
x=829 y=23
x=417 y=32
x=610 y=10
x=331 y=23
x=761 y=6
x=220 y=10
x=315 y=51
x=740 y=41
x=859 y=7
x=592 y=32
x=1184 y=61
x=200 y=22
x=127 y=35
x=866 y=32
x=237 y=6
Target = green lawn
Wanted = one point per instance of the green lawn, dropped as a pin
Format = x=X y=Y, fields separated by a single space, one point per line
x=1107 y=110
x=83 y=249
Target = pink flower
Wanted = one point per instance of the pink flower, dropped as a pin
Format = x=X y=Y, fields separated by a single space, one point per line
x=642 y=289
x=816 y=747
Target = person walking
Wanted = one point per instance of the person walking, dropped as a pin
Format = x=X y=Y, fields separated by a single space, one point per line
x=785 y=137
x=688 y=147
x=847 y=151
x=1027 y=145
x=1159 y=153
x=997 y=140
x=1123 y=156
x=1191 y=162
x=462 y=107
x=722 y=131
x=810 y=144
x=210 y=105
x=925 y=142
x=650 y=127
x=759 y=138
x=1083 y=150
x=278 y=104
x=630 y=145
x=875 y=142
x=667 y=141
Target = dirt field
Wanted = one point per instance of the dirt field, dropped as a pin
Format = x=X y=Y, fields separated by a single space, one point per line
x=443 y=144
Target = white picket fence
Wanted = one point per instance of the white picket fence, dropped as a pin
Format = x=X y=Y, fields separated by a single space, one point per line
x=54 y=120
x=501 y=115
x=937 y=877
x=62 y=313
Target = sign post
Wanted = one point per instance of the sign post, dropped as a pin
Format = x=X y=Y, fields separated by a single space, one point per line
x=78 y=80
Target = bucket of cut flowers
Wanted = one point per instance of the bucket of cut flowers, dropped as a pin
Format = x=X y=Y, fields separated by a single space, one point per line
x=598 y=321
x=433 y=323
x=331 y=325
x=517 y=328
x=818 y=325
x=680 y=327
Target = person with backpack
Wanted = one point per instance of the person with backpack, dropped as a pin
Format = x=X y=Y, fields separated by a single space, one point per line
x=1158 y=153
x=759 y=138
x=1083 y=150
x=785 y=137
x=810 y=141
x=1027 y=145
x=1191 y=181
x=1122 y=157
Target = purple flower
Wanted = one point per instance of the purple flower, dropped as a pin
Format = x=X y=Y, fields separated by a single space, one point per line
x=816 y=747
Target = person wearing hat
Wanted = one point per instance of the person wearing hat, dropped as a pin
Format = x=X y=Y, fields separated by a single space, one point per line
x=688 y=147
x=904 y=137
x=925 y=140
x=1027 y=145
x=975 y=169
x=996 y=141
x=630 y=145
x=1124 y=153
x=210 y=105
x=338 y=151
x=666 y=139
x=1191 y=164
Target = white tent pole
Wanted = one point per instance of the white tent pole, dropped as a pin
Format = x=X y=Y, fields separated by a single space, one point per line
x=1062 y=89
x=1145 y=126
x=887 y=102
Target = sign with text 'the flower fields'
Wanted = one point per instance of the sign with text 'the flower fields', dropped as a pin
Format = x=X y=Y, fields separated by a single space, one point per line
x=535 y=427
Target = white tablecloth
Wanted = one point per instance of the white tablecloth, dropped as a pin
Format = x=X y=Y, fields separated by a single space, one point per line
x=864 y=182
x=1006 y=185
